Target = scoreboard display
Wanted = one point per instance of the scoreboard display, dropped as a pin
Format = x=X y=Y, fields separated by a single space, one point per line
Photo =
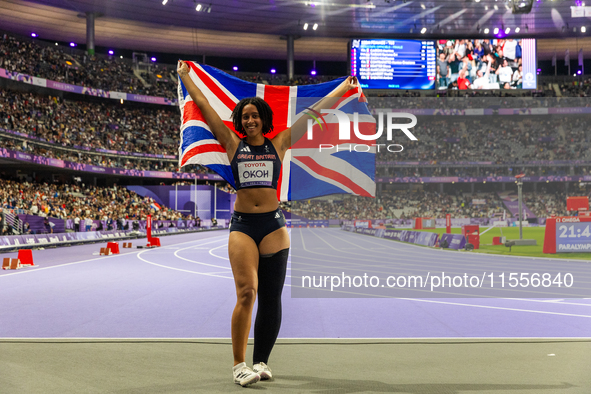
x=394 y=64
x=568 y=234
x=573 y=237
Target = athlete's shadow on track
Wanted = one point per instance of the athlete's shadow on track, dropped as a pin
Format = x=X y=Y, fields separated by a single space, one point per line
x=329 y=386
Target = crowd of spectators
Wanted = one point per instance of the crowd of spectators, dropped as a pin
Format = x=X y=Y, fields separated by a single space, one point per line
x=463 y=64
x=59 y=128
x=222 y=186
x=93 y=125
x=115 y=205
x=64 y=64
x=478 y=171
x=95 y=159
x=400 y=205
x=447 y=105
x=497 y=139
x=80 y=202
x=479 y=64
x=410 y=204
x=546 y=204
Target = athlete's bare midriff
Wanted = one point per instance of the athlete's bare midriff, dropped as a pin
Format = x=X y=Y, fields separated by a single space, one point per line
x=256 y=200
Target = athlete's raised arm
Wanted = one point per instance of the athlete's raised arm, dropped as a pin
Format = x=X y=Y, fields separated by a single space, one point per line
x=283 y=140
x=222 y=133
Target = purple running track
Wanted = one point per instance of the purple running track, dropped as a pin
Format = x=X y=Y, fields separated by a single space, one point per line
x=185 y=289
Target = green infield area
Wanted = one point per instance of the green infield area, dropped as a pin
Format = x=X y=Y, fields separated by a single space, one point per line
x=536 y=233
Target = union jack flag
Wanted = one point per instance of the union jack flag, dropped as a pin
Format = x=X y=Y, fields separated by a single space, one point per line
x=308 y=171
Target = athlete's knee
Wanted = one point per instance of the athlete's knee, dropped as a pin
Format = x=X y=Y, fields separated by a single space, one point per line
x=246 y=295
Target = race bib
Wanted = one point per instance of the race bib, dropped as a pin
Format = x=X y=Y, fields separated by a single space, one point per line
x=255 y=173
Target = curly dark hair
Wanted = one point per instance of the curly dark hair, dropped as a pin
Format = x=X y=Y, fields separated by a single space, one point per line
x=265 y=113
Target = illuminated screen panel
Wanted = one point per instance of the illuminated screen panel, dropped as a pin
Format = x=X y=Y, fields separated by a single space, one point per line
x=394 y=64
x=486 y=64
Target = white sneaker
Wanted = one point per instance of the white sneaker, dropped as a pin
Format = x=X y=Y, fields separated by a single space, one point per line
x=244 y=375
x=263 y=370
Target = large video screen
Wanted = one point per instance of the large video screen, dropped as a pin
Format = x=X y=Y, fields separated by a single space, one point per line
x=394 y=64
x=486 y=64
x=461 y=64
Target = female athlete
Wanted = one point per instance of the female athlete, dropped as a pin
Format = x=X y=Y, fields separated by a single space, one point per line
x=259 y=243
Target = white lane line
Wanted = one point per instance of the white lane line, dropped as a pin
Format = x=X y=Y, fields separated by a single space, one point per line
x=194 y=262
x=498 y=308
x=213 y=265
x=428 y=254
x=215 y=255
x=58 y=266
x=455 y=303
x=480 y=255
x=214 y=274
x=176 y=254
x=179 y=269
x=84 y=261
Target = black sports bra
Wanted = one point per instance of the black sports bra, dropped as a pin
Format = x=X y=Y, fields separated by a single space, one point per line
x=256 y=166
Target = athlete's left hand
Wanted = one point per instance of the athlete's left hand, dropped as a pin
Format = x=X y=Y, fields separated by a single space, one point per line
x=347 y=84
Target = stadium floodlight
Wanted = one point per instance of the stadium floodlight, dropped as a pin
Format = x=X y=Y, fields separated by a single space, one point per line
x=517 y=29
x=153 y=59
x=235 y=68
x=273 y=71
x=313 y=72
x=315 y=26
x=33 y=35
x=72 y=44
x=111 y=52
x=583 y=29
x=486 y=31
x=305 y=26
x=423 y=30
x=521 y=6
x=496 y=30
x=164 y=2
x=508 y=30
x=198 y=8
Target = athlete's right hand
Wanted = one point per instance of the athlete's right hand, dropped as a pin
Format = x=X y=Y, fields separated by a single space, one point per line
x=183 y=68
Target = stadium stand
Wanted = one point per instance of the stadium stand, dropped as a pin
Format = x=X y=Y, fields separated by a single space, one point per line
x=61 y=64
x=106 y=133
x=68 y=202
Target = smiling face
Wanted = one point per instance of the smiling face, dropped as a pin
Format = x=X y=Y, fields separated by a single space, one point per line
x=251 y=120
x=252 y=116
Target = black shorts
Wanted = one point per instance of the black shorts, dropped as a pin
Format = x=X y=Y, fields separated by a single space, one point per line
x=257 y=225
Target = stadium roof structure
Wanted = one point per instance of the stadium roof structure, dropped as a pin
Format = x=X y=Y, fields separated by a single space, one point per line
x=240 y=27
